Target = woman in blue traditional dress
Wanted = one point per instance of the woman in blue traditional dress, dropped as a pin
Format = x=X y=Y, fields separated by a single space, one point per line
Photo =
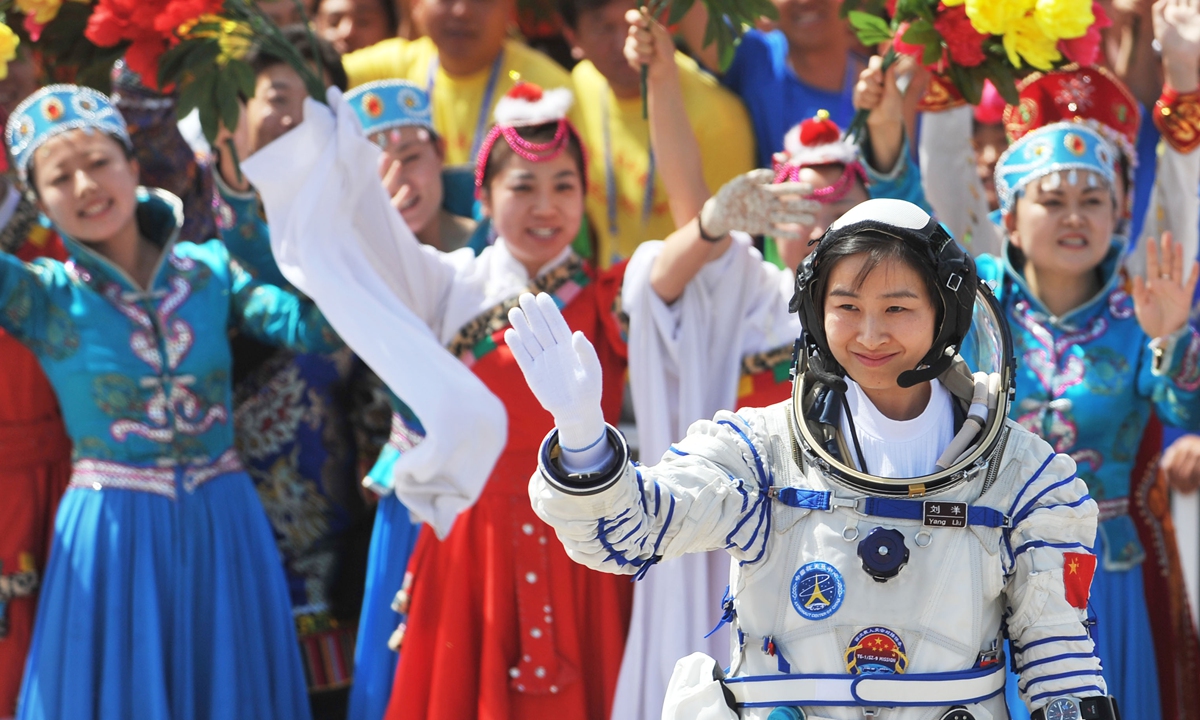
x=164 y=597
x=1093 y=361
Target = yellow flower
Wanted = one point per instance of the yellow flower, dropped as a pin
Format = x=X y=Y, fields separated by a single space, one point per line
x=8 y=48
x=1064 y=19
x=42 y=11
x=1026 y=41
x=953 y=3
x=995 y=17
x=234 y=37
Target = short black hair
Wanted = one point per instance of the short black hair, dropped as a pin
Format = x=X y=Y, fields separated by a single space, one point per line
x=879 y=249
x=570 y=10
x=259 y=58
x=387 y=6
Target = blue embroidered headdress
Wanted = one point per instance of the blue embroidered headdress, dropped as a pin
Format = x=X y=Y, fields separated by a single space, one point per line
x=56 y=109
x=389 y=105
x=1068 y=146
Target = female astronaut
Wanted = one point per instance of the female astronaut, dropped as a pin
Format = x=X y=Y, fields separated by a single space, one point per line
x=888 y=526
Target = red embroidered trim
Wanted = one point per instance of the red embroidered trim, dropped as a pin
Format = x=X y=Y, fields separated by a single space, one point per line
x=940 y=95
x=1177 y=117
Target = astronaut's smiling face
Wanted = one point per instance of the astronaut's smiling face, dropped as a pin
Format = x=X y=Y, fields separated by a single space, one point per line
x=878 y=325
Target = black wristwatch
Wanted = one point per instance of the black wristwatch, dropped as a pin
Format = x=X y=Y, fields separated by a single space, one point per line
x=1068 y=708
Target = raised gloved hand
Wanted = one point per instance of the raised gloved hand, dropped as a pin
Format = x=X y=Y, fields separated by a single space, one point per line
x=563 y=372
x=754 y=204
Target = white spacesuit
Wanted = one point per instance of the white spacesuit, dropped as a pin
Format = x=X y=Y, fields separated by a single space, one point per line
x=852 y=595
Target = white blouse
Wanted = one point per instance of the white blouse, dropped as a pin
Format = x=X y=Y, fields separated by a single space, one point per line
x=899 y=448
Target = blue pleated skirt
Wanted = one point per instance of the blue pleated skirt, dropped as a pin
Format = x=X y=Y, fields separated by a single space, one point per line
x=392 y=544
x=161 y=609
x=1125 y=644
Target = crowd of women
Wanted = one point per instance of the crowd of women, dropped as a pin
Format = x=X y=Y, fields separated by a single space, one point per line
x=266 y=453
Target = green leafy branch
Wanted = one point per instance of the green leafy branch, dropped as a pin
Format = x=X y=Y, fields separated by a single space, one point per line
x=728 y=20
x=209 y=71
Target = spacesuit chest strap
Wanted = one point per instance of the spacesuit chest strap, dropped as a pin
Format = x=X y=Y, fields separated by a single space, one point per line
x=964 y=687
x=932 y=513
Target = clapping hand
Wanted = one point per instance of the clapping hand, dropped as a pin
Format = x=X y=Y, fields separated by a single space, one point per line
x=1163 y=299
x=1177 y=30
x=755 y=205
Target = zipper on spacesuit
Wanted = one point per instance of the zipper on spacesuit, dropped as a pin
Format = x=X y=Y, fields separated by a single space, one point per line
x=995 y=462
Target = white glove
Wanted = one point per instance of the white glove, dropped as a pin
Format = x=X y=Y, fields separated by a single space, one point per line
x=563 y=372
x=755 y=205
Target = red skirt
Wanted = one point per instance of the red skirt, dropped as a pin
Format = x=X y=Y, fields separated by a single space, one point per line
x=502 y=624
x=35 y=467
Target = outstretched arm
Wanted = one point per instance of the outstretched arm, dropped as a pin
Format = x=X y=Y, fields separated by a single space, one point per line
x=1174 y=204
x=710 y=491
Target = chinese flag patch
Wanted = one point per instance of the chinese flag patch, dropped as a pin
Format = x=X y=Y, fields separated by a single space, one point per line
x=1078 y=569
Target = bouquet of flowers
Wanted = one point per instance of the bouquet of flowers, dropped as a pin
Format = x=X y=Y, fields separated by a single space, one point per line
x=966 y=42
x=197 y=48
x=52 y=30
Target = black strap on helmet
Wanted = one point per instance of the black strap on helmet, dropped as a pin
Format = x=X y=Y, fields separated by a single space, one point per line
x=957 y=282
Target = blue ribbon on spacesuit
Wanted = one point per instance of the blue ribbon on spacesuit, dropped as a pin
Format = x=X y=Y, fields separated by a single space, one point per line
x=894 y=508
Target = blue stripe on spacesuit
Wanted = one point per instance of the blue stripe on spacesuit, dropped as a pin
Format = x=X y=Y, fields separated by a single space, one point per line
x=1057 y=638
x=1029 y=506
x=737 y=528
x=763 y=480
x=641 y=490
x=1059 y=676
x=1034 y=544
x=1037 y=474
x=666 y=523
x=1053 y=658
x=760 y=506
x=1076 y=691
x=762 y=517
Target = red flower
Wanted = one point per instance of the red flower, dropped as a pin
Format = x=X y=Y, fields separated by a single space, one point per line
x=1086 y=48
x=963 y=42
x=906 y=48
x=177 y=12
x=148 y=25
x=891 y=8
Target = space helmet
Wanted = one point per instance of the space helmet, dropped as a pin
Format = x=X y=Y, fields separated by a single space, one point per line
x=971 y=355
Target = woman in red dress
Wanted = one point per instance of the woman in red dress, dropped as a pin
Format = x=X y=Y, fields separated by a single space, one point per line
x=35 y=460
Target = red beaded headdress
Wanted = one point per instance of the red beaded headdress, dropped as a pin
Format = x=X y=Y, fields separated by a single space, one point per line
x=528 y=105
x=819 y=141
x=1088 y=94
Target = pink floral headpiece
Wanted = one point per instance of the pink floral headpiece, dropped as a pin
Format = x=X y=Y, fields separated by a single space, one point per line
x=528 y=105
x=819 y=141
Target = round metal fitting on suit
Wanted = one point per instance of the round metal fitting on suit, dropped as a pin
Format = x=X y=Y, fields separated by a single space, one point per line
x=850 y=533
x=923 y=539
x=883 y=553
x=958 y=712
